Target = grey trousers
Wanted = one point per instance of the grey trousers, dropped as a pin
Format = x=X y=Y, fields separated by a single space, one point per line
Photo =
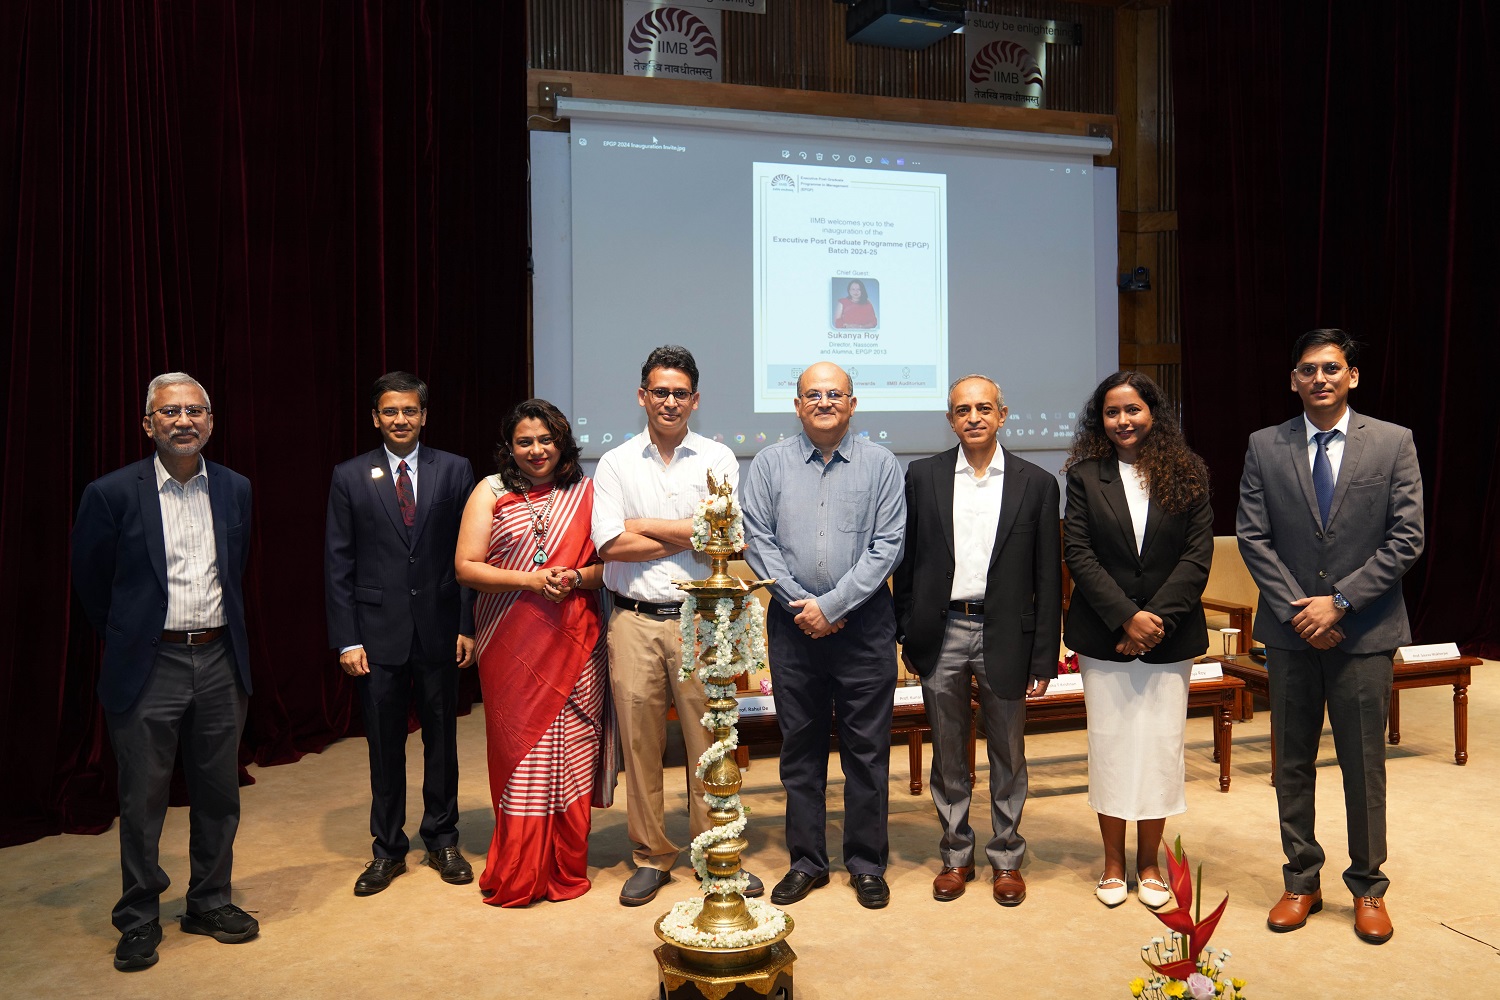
x=945 y=693
x=1356 y=688
x=194 y=700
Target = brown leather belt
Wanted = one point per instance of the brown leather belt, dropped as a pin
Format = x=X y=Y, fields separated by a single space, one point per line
x=192 y=638
x=647 y=608
x=971 y=608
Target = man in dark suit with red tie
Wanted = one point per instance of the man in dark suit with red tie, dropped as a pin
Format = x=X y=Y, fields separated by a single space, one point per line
x=401 y=623
x=159 y=552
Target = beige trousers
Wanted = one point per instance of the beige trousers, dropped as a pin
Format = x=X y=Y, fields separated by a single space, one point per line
x=645 y=653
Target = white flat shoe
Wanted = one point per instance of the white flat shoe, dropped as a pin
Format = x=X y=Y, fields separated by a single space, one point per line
x=1153 y=892
x=1111 y=891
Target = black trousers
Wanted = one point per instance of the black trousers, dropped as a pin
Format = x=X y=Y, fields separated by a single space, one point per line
x=192 y=700
x=386 y=696
x=1356 y=688
x=851 y=673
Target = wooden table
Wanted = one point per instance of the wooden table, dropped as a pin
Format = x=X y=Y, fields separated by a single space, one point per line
x=1221 y=695
x=1405 y=675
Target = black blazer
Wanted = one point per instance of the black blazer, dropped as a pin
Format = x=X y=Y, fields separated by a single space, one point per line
x=1023 y=593
x=1111 y=582
x=120 y=571
x=383 y=582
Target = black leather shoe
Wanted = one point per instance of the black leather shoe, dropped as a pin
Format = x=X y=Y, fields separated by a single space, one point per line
x=643 y=886
x=796 y=885
x=450 y=863
x=377 y=875
x=227 y=924
x=137 y=947
x=871 y=891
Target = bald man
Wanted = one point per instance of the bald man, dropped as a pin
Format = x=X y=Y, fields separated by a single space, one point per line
x=825 y=515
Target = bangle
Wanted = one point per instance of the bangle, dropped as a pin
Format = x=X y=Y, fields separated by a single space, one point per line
x=579 y=584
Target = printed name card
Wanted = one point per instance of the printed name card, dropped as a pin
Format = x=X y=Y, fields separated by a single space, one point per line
x=1428 y=653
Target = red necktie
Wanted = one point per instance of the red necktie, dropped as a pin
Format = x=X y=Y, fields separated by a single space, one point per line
x=404 y=497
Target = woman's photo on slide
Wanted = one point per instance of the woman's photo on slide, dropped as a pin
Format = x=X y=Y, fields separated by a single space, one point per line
x=854 y=301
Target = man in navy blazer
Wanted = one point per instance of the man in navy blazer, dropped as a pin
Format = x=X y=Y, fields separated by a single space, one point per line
x=159 y=549
x=400 y=621
x=1330 y=520
x=979 y=595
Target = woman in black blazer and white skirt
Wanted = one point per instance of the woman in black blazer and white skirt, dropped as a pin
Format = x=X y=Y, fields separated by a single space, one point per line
x=1138 y=540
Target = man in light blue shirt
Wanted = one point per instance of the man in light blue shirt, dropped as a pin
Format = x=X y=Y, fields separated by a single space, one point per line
x=824 y=514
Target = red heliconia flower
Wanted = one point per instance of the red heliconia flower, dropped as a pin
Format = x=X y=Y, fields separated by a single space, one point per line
x=1181 y=920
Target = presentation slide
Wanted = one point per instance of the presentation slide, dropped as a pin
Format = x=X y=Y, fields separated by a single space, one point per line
x=908 y=257
x=854 y=261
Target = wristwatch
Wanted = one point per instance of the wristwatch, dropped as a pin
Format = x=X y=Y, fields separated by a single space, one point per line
x=1341 y=602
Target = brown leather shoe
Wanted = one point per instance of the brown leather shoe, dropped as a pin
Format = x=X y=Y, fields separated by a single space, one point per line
x=1290 y=912
x=1010 y=888
x=951 y=882
x=1372 y=922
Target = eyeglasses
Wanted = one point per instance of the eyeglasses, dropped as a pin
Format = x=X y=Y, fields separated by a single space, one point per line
x=409 y=412
x=834 y=396
x=1308 y=372
x=681 y=395
x=173 y=412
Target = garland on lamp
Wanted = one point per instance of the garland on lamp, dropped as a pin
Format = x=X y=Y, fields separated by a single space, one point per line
x=724 y=509
x=678 y=925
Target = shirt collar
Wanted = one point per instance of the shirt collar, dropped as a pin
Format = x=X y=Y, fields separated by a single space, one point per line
x=689 y=445
x=997 y=463
x=1342 y=426
x=840 y=450
x=163 y=476
x=394 y=460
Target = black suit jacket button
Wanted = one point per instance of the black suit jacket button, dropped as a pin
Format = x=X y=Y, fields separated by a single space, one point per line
x=1137 y=572
x=154 y=641
x=1322 y=574
x=411 y=559
x=414 y=591
x=1317 y=534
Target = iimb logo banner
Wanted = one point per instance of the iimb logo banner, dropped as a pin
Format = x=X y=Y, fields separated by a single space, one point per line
x=668 y=40
x=1006 y=58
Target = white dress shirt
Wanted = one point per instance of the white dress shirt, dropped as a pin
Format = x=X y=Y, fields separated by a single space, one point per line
x=1335 y=447
x=195 y=599
x=976 y=518
x=632 y=481
x=1137 y=500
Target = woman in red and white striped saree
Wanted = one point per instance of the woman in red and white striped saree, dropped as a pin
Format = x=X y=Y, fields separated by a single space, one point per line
x=524 y=545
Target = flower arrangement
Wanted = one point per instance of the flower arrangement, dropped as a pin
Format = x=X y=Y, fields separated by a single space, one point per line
x=1182 y=964
x=1068 y=664
x=719 y=507
x=678 y=925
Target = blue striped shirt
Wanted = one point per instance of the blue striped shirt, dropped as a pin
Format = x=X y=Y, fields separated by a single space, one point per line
x=831 y=531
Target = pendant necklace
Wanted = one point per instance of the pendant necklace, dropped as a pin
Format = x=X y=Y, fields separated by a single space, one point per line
x=540 y=523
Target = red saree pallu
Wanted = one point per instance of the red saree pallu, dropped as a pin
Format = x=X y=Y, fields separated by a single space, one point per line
x=543 y=670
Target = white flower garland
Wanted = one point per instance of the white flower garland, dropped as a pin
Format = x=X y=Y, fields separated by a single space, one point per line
x=724 y=507
x=678 y=925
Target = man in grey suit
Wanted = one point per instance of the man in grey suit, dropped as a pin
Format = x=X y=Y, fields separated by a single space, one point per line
x=1330 y=520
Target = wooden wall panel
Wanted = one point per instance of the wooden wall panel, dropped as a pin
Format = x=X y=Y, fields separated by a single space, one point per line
x=799 y=45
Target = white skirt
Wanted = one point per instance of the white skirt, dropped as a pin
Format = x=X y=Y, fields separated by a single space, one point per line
x=1137 y=713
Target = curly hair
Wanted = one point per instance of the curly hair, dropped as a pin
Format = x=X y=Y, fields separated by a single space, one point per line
x=568 y=470
x=1175 y=474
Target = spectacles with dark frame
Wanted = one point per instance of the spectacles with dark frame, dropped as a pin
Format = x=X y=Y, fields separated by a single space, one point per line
x=173 y=412
x=390 y=412
x=834 y=396
x=681 y=395
x=1330 y=370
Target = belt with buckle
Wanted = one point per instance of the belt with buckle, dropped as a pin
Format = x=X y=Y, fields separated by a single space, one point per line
x=971 y=608
x=647 y=608
x=192 y=638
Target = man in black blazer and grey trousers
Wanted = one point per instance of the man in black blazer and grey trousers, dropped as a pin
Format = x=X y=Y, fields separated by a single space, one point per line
x=979 y=595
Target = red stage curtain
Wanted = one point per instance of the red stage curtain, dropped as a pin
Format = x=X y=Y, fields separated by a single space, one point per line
x=1335 y=167
x=284 y=200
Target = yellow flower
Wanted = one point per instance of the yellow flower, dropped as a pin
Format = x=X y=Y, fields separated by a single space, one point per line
x=1137 y=986
x=1239 y=984
x=1174 y=988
